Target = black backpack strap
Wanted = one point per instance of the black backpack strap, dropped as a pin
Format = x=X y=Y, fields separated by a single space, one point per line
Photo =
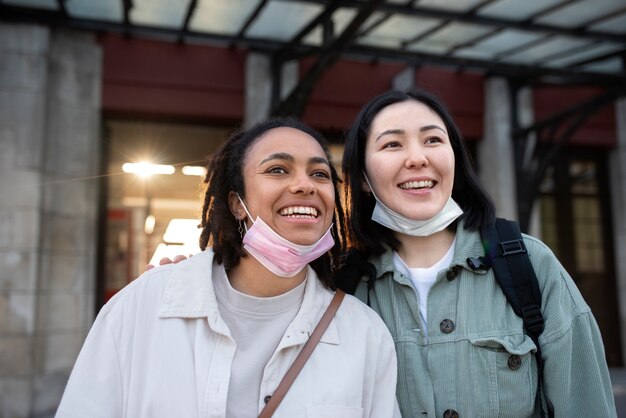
x=351 y=271
x=505 y=250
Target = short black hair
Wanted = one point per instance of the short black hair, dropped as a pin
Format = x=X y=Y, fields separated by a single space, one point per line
x=467 y=191
x=224 y=175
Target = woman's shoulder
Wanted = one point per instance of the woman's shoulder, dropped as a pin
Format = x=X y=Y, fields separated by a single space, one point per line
x=146 y=292
x=145 y=288
x=359 y=316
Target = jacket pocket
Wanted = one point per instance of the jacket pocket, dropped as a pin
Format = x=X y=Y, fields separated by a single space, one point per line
x=510 y=365
x=332 y=411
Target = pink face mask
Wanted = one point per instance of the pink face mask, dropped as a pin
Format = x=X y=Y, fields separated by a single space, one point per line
x=278 y=255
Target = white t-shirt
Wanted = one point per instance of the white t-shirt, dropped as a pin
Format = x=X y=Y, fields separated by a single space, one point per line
x=423 y=279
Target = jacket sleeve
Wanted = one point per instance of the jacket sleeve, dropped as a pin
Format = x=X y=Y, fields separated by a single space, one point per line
x=94 y=388
x=576 y=378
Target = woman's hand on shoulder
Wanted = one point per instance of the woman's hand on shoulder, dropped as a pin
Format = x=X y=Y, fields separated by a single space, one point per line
x=167 y=260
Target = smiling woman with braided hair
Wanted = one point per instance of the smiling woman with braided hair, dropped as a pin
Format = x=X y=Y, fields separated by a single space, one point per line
x=214 y=335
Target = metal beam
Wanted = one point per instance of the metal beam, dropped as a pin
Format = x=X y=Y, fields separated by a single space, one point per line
x=126 y=6
x=62 y=8
x=188 y=15
x=295 y=103
x=583 y=107
x=255 y=13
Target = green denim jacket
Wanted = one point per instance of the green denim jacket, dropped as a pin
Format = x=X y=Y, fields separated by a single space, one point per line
x=476 y=360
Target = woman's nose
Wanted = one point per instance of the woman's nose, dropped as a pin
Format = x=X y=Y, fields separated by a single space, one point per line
x=303 y=184
x=416 y=157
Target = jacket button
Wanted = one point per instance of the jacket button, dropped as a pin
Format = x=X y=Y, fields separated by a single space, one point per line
x=514 y=362
x=267 y=399
x=452 y=273
x=450 y=413
x=446 y=326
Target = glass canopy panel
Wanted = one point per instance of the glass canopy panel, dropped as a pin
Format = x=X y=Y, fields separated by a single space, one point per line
x=613 y=65
x=404 y=27
x=581 y=12
x=282 y=21
x=162 y=13
x=516 y=9
x=542 y=51
x=473 y=53
x=429 y=47
x=110 y=10
x=379 y=41
x=596 y=51
x=615 y=24
x=223 y=17
x=38 y=4
x=501 y=42
x=457 y=33
x=457 y=5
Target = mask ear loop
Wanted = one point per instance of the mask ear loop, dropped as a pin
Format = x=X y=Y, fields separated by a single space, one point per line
x=371 y=191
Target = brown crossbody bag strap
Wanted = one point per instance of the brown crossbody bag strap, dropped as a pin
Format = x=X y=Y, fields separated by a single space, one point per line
x=304 y=355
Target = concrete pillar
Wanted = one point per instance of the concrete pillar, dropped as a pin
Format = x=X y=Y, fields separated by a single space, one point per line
x=404 y=80
x=526 y=115
x=49 y=148
x=617 y=172
x=259 y=86
x=495 y=151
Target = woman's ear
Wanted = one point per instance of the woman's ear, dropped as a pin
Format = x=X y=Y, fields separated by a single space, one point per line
x=235 y=206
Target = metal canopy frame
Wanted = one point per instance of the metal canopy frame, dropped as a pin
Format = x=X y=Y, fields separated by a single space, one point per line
x=532 y=156
x=295 y=48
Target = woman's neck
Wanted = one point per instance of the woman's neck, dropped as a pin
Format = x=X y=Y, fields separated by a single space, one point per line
x=252 y=278
x=424 y=252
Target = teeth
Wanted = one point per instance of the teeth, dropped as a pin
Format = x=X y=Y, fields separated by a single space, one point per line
x=299 y=210
x=417 y=184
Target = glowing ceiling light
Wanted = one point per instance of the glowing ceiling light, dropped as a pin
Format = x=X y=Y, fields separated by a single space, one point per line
x=146 y=169
x=194 y=170
x=148 y=226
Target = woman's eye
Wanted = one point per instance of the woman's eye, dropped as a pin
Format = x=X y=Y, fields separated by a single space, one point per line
x=433 y=140
x=276 y=170
x=391 y=144
x=322 y=173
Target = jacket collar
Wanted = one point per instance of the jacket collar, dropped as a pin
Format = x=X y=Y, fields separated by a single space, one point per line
x=468 y=244
x=190 y=294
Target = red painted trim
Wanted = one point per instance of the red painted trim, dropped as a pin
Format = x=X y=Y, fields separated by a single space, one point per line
x=147 y=77
x=600 y=130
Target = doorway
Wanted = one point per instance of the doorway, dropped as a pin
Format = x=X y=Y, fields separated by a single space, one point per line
x=576 y=225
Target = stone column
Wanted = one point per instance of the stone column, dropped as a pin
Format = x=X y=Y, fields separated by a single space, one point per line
x=49 y=156
x=495 y=151
x=259 y=81
x=404 y=80
x=617 y=172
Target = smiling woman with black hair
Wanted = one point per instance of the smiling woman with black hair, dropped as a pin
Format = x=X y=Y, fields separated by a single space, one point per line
x=415 y=212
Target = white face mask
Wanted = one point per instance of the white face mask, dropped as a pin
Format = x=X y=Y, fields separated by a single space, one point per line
x=279 y=255
x=399 y=223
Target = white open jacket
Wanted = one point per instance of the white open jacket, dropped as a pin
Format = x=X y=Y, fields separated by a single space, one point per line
x=160 y=348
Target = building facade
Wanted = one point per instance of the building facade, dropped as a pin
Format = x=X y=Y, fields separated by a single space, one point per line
x=75 y=106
